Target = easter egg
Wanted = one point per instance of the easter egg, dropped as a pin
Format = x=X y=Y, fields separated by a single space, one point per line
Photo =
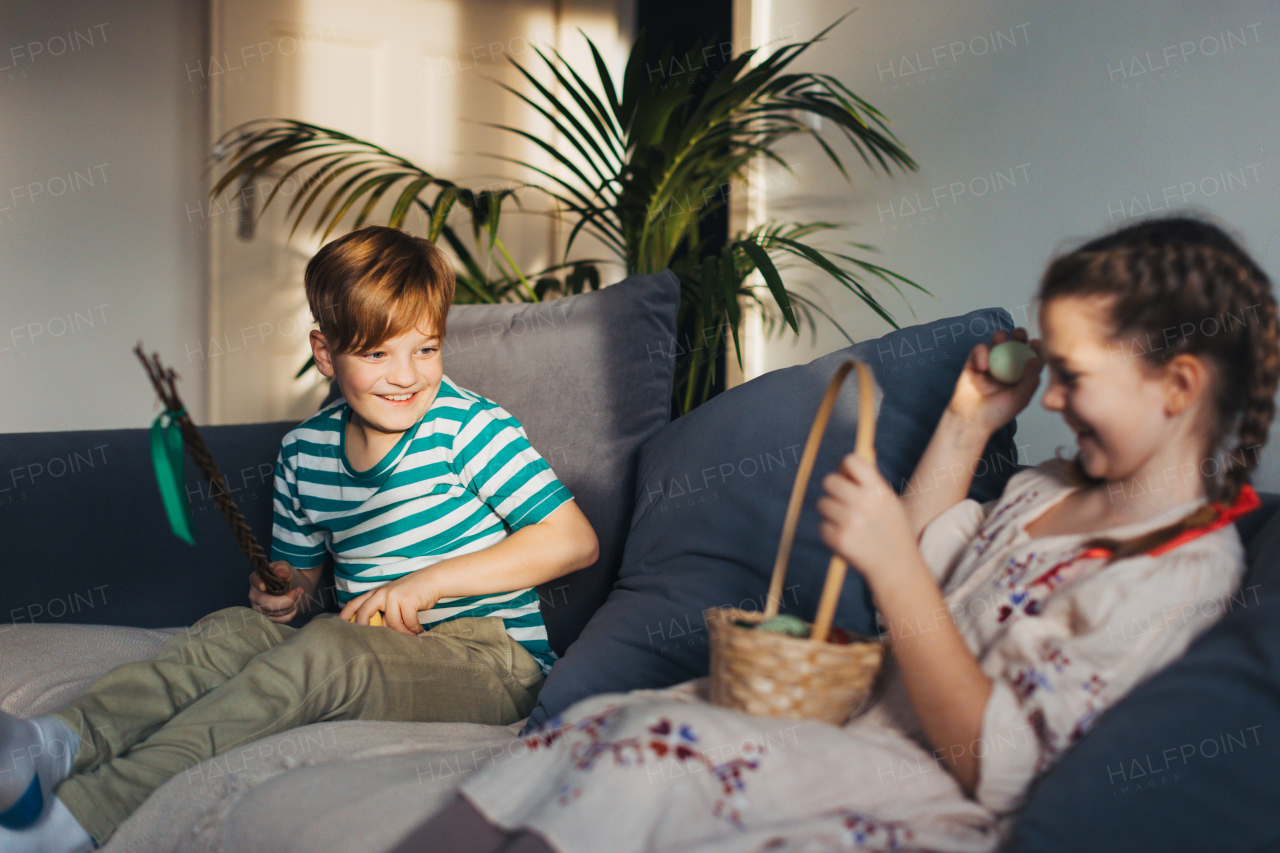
x=374 y=620
x=1008 y=360
x=785 y=624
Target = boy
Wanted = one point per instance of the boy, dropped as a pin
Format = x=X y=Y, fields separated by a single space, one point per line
x=411 y=483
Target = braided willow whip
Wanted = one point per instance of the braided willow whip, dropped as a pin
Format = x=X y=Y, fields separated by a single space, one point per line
x=164 y=380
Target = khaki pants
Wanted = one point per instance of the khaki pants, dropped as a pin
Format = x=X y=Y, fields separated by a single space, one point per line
x=236 y=676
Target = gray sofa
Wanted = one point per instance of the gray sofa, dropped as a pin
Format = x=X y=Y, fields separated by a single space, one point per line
x=93 y=578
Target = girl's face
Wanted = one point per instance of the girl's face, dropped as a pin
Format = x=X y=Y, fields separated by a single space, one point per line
x=1110 y=398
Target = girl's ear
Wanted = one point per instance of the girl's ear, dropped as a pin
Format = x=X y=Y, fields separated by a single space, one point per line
x=324 y=357
x=1185 y=377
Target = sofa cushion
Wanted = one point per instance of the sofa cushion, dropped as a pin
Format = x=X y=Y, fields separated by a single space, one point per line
x=589 y=376
x=340 y=787
x=1191 y=751
x=84 y=537
x=47 y=666
x=713 y=490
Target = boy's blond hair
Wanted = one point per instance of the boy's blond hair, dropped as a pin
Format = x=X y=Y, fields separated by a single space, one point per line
x=376 y=284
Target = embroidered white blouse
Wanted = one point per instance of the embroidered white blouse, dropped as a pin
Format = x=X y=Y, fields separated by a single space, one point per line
x=1061 y=634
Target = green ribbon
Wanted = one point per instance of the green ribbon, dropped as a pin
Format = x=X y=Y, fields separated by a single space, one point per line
x=166 y=456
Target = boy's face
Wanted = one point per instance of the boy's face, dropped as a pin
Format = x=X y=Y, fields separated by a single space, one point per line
x=390 y=387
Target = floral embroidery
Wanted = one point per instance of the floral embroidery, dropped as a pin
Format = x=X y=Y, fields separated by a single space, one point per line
x=1015 y=569
x=1093 y=708
x=1030 y=598
x=1045 y=735
x=555 y=728
x=863 y=831
x=995 y=525
x=1057 y=658
x=1026 y=680
x=1086 y=721
x=1095 y=704
x=587 y=744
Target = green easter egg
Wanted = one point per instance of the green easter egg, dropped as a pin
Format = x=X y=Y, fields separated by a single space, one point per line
x=784 y=624
x=1008 y=360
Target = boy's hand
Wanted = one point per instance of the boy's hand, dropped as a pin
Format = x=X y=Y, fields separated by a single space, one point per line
x=400 y=600
x=277 y=608
x=864 y=521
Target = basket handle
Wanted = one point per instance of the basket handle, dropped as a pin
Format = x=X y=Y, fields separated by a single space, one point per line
x=865 y=448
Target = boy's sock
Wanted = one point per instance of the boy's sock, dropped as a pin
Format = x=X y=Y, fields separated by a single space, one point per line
x=35 y=757
x=57 y=831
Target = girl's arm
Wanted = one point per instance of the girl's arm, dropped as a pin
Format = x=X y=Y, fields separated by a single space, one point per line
x=947 y=688
x=868 y=525
x=943 y=474
x=979 y=406
x=561 y=543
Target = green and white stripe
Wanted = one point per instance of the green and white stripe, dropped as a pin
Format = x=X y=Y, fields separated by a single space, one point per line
x=444 y=490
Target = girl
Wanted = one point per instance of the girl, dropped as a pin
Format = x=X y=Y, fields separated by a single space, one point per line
x=1011 y=624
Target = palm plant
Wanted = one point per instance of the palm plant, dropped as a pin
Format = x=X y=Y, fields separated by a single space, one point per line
x=639 y=167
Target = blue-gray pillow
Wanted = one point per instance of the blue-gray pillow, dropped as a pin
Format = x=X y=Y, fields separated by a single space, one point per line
x=713 y=489
x=1188 y=760
x=589 y=377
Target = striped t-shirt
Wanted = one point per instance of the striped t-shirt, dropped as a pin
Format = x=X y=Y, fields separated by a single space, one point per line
x=444 y=490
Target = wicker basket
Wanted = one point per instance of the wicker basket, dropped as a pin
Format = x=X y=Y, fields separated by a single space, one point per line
x=776 y=675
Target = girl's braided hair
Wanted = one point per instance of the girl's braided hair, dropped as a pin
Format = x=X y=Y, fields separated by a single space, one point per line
x=1182 y=285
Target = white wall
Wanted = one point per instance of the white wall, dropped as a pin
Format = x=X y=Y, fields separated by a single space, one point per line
x=416 y=77
x=1048 y=100
x=103 y=142
x=99 y=140
x=122 y=253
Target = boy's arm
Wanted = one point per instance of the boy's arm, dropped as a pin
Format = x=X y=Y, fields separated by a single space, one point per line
x=298 y=600
x=561 y=543
x=293 y=539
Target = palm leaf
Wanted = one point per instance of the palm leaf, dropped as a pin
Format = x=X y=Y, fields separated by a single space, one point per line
x=606 y=82
x=600 y=115
x=729 y=280
x=765 y=265
x=581 y=141
x=407 y=195
x=638 y=163
x=444 y=203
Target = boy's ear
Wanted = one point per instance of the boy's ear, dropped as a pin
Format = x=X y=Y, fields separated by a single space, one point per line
x=324 y=357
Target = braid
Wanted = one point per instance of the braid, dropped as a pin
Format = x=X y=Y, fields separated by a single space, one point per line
x=1260 y=389
x=1188 y=285
x=1121 y=548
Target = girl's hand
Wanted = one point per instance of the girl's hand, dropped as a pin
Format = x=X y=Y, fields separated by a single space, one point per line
x=864 y=521
x=981 y=399
x=400 y=600
x=278 y=608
